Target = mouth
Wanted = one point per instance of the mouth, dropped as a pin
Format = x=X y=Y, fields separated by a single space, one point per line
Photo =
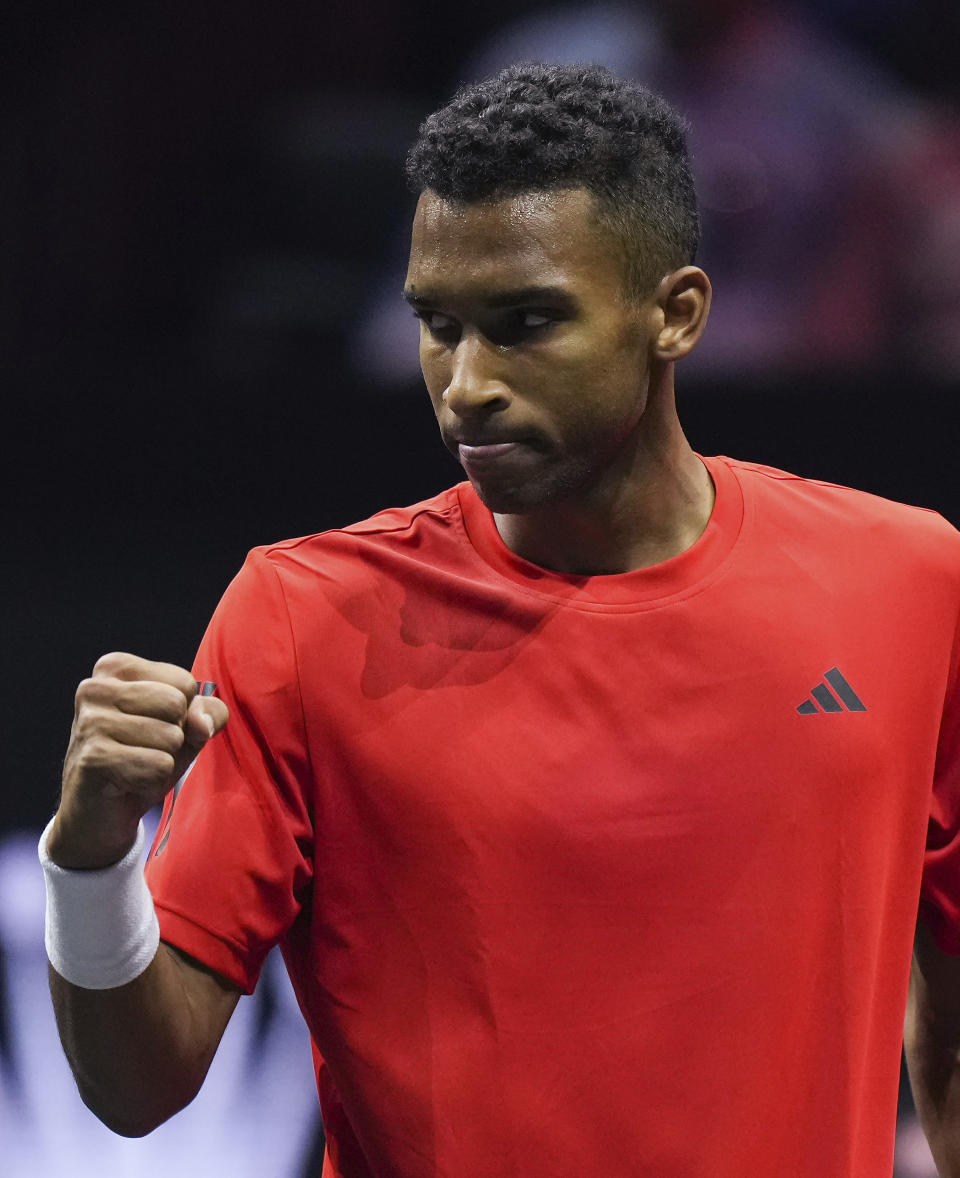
x=487 y=452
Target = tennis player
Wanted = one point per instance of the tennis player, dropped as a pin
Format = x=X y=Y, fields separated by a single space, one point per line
x=596 y=803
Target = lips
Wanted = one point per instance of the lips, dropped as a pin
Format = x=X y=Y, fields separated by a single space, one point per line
x=486 y=452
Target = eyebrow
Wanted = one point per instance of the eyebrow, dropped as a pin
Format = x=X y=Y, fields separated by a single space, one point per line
x=506 y=298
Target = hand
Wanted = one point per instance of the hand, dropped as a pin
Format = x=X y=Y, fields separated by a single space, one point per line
x=136 y=728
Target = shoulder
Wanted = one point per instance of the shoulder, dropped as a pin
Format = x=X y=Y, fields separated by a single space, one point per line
x=337 y=579
x=838 y=516
x=391 y=524
x=429 y=533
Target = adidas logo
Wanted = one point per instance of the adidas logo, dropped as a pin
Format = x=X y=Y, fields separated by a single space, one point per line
x=824 y=700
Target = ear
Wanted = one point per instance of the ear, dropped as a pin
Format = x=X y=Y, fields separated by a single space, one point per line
x=683 y=302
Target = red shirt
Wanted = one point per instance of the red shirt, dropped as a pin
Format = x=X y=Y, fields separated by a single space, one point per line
x=611 y=875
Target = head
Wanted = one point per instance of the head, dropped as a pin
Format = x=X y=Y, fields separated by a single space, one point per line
x=539 y=128
x=552 y=269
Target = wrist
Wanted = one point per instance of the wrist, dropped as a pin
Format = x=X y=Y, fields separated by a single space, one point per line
x=101 y=928
x=87 y=846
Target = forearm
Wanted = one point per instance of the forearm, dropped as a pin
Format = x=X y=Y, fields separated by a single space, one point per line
x=932 y=1049
x=139 y=1052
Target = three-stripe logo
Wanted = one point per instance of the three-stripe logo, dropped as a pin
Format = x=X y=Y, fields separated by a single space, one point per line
x=824 y=700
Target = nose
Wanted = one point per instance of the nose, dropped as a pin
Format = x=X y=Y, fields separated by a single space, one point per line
x=475 y=386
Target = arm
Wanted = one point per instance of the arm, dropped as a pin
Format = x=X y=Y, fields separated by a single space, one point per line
x=139 y=1051
x=932 y=1046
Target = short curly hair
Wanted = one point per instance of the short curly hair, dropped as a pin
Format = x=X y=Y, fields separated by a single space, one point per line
x=540 y=127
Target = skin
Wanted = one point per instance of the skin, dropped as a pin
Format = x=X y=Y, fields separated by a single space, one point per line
x=528 y=337
x=931 y=1040
x=597 y=477
x=137 y=726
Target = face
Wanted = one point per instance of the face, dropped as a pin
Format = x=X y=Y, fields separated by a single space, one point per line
x=536 y=361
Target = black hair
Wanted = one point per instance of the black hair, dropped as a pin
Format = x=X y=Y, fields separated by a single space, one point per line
x=540 y=127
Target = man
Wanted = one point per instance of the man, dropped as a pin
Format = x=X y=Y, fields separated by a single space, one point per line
x=591 y=801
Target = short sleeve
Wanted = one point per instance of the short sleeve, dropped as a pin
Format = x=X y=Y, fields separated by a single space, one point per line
x=231 y=862
x=940 y=890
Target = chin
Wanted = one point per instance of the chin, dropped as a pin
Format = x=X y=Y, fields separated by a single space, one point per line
x=501 y=504
x=520 y=498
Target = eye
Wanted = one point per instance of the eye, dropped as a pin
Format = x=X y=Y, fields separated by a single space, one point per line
x=438 y=324
x=521 y=325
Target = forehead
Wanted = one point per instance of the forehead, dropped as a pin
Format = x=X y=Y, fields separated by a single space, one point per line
x=547 y=238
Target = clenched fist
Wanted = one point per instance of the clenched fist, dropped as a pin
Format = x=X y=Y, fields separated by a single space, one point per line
x=137 y=726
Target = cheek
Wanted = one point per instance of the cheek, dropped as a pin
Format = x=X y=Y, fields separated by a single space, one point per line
x=603 y=396
x=435 y=366
x=622 y=370
x=611 y=357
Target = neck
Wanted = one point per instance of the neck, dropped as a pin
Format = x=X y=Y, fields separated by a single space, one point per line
x=653 y=506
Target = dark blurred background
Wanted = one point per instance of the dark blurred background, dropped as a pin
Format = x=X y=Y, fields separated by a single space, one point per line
x=202 y=243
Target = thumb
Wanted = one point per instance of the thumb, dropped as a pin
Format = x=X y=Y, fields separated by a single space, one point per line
x=206 y=716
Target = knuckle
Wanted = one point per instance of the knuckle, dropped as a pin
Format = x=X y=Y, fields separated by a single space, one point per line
x=94 y=752
x=110 y=663
x=92 y=714
x=85 y=723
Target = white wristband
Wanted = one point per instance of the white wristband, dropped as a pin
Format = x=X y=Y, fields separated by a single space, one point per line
x=101 y=928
